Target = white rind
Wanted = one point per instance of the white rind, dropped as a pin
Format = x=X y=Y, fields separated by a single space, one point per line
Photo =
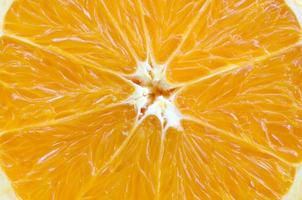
x=4 y=6
x=296 y=7
x=6 y=190
x=295 y=191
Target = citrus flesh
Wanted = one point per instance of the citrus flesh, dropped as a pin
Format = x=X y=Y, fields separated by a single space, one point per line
x=141 y=99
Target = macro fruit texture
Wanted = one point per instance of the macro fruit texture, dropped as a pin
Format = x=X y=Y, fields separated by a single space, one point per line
x=150 y=99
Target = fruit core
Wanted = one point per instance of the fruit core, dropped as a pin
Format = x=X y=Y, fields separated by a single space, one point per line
x=154 y=95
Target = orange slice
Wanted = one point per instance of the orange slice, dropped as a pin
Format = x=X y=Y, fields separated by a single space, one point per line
x=141 y=99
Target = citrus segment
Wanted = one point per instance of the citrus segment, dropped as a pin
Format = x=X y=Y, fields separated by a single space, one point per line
x=231 y=31
x=38 y=86
x=259 y=103
x=56 y=161
x=167 y=23
x=129 y=18
x=133 y=173
x=81 y=28
x=199 y=163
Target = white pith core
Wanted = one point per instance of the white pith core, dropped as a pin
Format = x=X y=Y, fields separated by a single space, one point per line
x=166 y=112
x=139 y=98
x=162 y=107
x=148 y=74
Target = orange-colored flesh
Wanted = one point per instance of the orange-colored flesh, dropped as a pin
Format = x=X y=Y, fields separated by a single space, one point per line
x=258 y=103
x=217 y=41
x=81 y=28
x=38 y=86
x=202 y=163
x=66 y=131
x=57 y=161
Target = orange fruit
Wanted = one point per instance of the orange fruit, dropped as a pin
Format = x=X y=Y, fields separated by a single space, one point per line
x=150 y=99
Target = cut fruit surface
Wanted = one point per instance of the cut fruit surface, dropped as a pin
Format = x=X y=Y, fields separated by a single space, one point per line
x=31 y=157
x=217 y=41
x=150 y=99
x=259 y=103
x=39 y=86
x=81 y=28
x=133 y=173
x=168 y=23
x=200 y=162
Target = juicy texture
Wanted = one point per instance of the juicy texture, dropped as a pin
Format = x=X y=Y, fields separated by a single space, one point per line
x=217 y=41
x=82 y=28
x=56 y=161
x=202 y=163
x=259 y=103
x=133 y=173
x=67 y=72
x=39 y=86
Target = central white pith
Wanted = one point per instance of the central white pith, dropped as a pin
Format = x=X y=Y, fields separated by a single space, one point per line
x=154 y=95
